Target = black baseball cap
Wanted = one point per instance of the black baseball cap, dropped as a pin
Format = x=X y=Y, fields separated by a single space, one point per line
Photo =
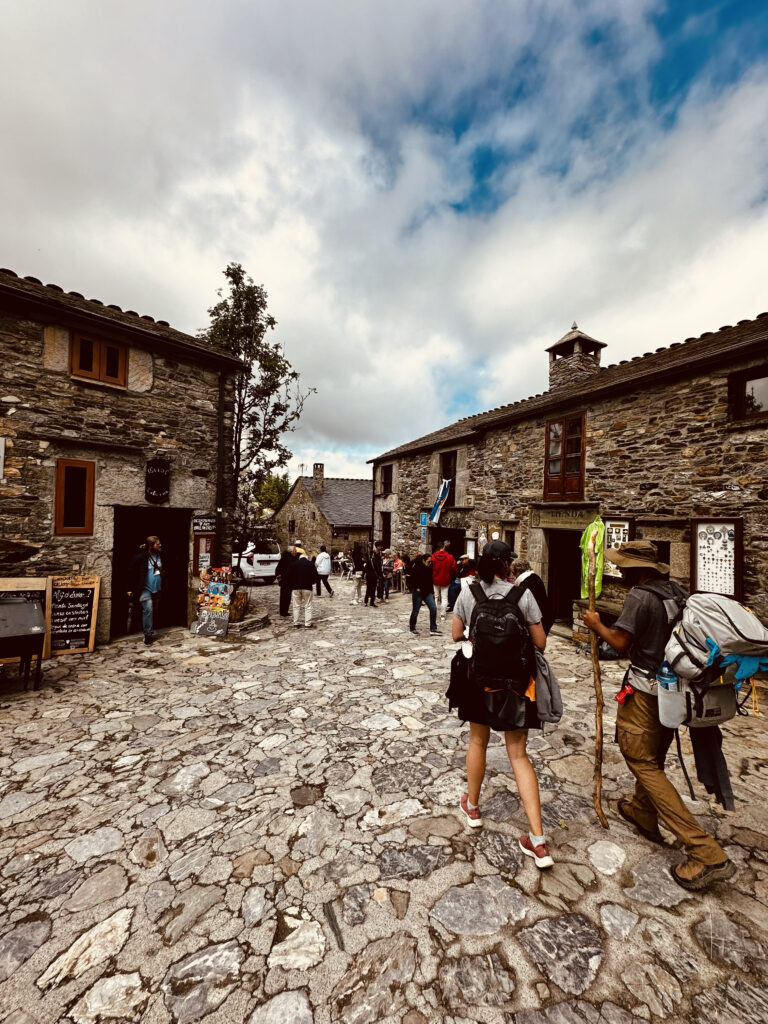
x=498 y=549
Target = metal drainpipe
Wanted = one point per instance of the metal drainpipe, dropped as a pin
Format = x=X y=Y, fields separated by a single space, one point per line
x=220 y=473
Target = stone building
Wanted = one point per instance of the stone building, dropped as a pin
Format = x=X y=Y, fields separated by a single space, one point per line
x=113 y=426
x=320 y=510
x=669 y=446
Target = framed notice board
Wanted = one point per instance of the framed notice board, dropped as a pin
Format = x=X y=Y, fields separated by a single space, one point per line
x=33 y=590
x=717 y=556
x=74 y=606
x=617 y=530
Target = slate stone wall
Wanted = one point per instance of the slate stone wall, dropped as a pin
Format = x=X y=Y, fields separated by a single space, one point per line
x=662 y=455
x=170 y=406
x=572 y=369
x=312 y=528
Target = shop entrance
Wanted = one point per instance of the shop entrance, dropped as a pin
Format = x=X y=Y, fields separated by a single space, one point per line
x=439 y=534
x=132 y=525
x=564 y=577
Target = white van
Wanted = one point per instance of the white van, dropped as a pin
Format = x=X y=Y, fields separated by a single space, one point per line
x=258 y=561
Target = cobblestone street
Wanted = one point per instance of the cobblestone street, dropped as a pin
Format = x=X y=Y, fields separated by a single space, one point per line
x=267 y=831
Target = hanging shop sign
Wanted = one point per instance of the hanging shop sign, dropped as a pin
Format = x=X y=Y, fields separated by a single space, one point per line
x=157 y=481
x=717 y=556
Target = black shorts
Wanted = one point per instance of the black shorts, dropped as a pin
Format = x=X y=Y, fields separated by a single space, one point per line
x=503 y=712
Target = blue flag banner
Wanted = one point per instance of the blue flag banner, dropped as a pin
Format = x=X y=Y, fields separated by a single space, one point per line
x=442 y=495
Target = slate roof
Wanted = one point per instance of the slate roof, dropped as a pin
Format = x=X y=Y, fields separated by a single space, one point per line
x=344 y=502
x=51 y=304
x=710 y=350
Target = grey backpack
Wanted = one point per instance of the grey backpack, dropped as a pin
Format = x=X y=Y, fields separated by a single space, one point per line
x=711 y=628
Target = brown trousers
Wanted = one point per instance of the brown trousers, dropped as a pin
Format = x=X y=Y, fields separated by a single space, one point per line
x=644 y=742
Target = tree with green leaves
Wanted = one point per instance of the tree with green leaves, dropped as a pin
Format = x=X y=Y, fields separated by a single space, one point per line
x=268 y=398
x=272 y=491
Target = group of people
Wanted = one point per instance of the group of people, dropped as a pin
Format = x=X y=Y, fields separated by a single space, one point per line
x=640 y=632
x=439 y=579
x=298 y=575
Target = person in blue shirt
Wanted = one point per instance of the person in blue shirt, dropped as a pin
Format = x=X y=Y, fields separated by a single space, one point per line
x=147 y=583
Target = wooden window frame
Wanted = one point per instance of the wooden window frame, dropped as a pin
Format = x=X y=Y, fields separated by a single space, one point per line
x=99 y=373
x=450 y=501
x=737 y=394
x=560 y=486
x=387 y=472
x=90 y=480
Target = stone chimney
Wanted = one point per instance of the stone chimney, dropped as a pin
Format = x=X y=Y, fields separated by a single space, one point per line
x=573 y=359
x=318 y=474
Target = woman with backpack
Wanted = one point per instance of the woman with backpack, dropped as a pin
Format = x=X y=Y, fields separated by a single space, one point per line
x=492 y=701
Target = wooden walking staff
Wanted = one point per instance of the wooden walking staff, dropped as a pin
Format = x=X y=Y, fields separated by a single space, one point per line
x=597 y=792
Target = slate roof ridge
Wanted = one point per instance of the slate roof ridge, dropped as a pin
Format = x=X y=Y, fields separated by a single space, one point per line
x=364 y=479
x=33 y=287
x=602 y=377
x=344 y=500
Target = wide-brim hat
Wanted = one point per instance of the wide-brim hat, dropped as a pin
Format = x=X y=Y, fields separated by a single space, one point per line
x=637 y=554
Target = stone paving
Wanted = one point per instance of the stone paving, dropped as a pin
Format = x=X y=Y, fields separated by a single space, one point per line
x=267 y=831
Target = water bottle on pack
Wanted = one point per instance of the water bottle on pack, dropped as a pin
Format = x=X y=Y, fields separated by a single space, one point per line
x=666 y=678
x=671 y=697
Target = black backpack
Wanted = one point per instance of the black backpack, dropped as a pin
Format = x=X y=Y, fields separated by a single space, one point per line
x=502 y=650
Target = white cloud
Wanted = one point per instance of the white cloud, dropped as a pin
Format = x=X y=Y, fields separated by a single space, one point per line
x=151 y=144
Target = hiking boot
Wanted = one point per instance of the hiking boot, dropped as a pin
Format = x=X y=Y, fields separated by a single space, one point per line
x=472 y=814
x=695 y=876
x=541 y=855
x=623 y=807
x=148 y=641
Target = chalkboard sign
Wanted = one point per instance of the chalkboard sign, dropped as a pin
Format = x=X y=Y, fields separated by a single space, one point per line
x=204 y=524
x=74 y=605
x=157 y=481
x=210 y=622
x=33 y=590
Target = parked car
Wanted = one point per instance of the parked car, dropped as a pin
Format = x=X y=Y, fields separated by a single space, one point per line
x=257 y=561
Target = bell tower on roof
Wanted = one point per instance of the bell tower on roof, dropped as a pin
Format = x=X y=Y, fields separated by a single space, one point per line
x=574 y=358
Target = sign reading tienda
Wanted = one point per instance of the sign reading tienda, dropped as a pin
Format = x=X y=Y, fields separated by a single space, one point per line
x=157 y=483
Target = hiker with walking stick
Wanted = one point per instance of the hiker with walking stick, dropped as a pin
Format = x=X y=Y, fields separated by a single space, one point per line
x=642 y=632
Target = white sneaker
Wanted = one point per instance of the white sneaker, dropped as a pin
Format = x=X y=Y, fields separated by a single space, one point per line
x=354 y=602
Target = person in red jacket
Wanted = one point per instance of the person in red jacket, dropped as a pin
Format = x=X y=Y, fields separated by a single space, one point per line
x=443 y=571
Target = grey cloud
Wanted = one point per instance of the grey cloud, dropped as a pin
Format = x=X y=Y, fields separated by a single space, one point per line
x=151 y=144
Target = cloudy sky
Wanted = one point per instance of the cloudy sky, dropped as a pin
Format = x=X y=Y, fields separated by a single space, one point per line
x=430 y=191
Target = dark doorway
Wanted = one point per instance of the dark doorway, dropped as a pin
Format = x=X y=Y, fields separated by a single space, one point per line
x=564 y=585
x=132 y=526
x=386 y=529
x=438 y=534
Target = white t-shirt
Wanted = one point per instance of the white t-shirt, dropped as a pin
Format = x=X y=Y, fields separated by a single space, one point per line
x=465 y=602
